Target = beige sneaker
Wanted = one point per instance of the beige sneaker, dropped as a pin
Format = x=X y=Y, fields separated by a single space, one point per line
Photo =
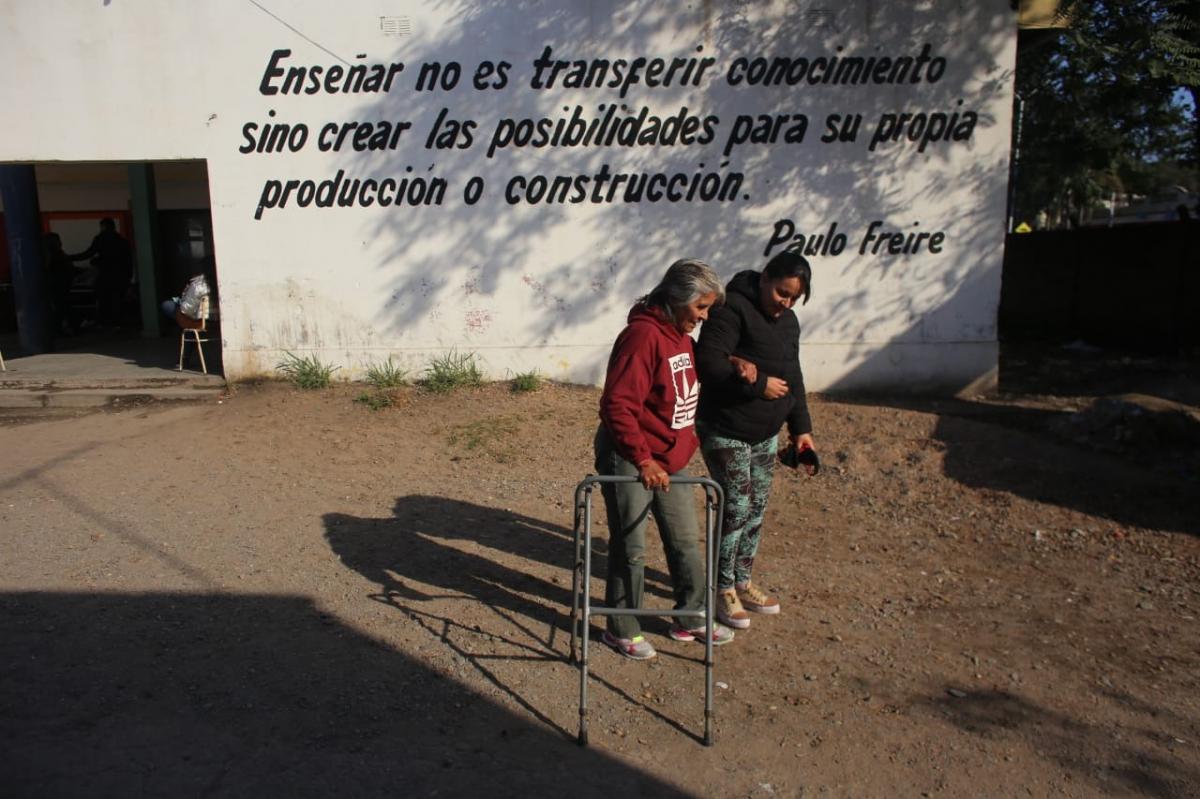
x=730 y=610
x=756 y=601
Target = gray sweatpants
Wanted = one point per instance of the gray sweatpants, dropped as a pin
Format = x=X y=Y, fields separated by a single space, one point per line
x=628 y=506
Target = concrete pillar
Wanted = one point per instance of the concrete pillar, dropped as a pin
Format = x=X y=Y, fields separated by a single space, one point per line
x=31 y=289
x=145 y=242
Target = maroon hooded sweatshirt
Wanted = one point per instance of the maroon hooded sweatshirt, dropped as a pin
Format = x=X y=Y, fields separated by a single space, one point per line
x=651 y=392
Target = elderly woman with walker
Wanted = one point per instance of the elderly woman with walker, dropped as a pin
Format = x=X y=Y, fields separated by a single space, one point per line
x=647 y=414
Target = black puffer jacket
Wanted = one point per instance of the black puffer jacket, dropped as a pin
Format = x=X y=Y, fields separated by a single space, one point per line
x=728 y=405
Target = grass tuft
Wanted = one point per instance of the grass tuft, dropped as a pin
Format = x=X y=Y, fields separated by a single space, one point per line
x=494 y=437
x=307 y=372
x=375 y=400
x=527 y=381
x=387 y=374
x=452 y=371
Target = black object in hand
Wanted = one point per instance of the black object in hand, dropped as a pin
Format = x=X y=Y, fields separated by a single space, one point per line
x=794 y=458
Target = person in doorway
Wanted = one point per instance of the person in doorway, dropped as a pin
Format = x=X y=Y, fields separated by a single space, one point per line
x=749 y=365
x=646 y=431
x=61 y=273
x=112 y=256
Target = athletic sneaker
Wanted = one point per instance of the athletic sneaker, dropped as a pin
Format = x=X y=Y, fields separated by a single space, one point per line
x=730 y=610
x=756 y=601
x=721 y=634
x=636 y=648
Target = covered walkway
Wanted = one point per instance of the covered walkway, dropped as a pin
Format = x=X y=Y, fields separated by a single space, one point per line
x=103 y=369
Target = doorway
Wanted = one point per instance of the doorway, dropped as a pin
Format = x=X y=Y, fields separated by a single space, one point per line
x=162 y=209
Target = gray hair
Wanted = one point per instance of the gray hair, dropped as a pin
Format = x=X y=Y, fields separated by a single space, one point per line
x=685 y=282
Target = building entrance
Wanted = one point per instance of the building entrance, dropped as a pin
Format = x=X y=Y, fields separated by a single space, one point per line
x=117 y=240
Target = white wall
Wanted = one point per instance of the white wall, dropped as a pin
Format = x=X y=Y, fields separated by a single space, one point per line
x=544 y=286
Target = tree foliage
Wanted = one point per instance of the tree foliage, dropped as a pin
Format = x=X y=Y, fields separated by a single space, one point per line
x=1101 y=105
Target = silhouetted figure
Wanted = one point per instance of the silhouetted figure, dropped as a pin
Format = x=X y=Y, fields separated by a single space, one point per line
x=112 y=256
x=61 y=272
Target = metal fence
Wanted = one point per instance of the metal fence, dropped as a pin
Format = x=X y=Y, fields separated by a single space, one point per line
x=1134 y=286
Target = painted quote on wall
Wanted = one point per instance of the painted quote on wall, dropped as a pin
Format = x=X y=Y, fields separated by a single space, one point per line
x=612 y=124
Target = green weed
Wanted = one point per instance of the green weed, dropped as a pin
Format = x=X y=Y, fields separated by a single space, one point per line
x=386 y=374
x=526 y=381
x=307 y=372
x=493 y=436
x=452 y=371
x=375 y=400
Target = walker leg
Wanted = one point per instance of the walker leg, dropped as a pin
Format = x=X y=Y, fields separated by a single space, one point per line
x=712 y=532
x=581 y=597
x=587 y=615
x=575 y=575
x=583 y=666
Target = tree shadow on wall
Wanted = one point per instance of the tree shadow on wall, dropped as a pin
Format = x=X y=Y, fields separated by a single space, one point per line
x=445 y=265
x=183 y=694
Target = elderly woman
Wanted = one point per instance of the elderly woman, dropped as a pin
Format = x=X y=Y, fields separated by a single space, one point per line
x=646 y=431
x=748 y=359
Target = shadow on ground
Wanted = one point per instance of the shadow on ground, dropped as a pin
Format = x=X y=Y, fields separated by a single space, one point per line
x=1110 y=435
x=187 y=694
x=435 y=548
x=1077 y=369
x=1131 y=761
x=445 y=542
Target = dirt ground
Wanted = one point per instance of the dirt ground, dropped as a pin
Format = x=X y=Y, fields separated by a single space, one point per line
x=289 y=593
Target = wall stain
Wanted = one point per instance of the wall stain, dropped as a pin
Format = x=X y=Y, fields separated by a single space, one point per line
x=478 y=320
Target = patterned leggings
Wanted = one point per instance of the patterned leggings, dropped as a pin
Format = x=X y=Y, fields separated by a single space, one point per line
x=744 y=471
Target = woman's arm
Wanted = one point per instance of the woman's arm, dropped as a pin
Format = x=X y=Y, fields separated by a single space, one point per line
x=798 y=421
x=746 y=370
x=715 y=361
x=626 y=386
x=90 y=252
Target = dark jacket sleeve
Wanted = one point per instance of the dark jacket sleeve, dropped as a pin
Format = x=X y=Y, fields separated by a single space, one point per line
x=718 y=340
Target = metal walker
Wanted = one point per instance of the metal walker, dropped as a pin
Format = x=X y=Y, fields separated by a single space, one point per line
x=714 y=499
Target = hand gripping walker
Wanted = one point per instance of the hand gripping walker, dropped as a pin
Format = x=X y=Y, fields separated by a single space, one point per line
x=714 y=500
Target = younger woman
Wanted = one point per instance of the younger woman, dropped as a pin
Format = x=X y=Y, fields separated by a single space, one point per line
x=748 y=358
